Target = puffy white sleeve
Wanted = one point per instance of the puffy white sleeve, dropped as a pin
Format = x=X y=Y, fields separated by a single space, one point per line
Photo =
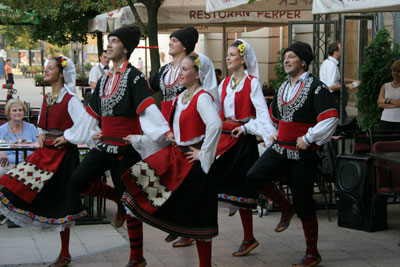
x=84 y=125
x=321 y=132
x=262 y=125
x=208 y=113
x=154 y=127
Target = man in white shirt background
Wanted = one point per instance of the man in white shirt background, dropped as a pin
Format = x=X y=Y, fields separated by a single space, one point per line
x=330 y=75
x=97 y=71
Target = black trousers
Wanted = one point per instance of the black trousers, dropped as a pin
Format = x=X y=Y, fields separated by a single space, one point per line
x=272 y=166
x=96 y=162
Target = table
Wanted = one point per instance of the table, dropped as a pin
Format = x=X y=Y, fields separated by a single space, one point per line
x=91 y=218
x=388 y=156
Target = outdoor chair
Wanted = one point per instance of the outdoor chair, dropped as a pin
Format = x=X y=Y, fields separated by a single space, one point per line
x=386 y=175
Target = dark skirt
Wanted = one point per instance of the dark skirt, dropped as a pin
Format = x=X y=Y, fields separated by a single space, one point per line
x=54 y=207
x=190 y=207
x=232 y=167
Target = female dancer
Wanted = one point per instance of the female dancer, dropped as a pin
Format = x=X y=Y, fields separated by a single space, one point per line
x=174 y=189
x=34 y=192
x=245 y=114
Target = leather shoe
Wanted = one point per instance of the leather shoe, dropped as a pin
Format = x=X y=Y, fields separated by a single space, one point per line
x=120 y=216
x=136 y=263
x=183 y=242
x=285 y=220
x=61 y=261
x=245 y=248
x=309 y=261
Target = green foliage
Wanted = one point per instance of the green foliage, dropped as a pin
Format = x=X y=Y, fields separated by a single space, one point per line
x=18 y=37
x=374 y=72
x=88 y=66
x=38 y=78
x=279 y=72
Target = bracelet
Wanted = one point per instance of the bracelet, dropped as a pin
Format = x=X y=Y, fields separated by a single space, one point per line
x=386 y=100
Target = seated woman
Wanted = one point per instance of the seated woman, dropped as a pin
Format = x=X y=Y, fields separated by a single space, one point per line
x=15 y=131
x=389 y=100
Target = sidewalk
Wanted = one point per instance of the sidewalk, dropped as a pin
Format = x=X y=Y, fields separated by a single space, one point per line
x=103 y=245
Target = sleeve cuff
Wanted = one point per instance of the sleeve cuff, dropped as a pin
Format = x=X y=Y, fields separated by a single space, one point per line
x=306 y=140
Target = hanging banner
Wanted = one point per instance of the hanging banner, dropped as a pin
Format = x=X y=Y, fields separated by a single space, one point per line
x=259 y=5
x=354 y=6
x=170 y=16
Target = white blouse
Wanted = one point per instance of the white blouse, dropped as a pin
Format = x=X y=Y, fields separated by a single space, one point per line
x=208 y=113
x=262 y=124
x=76 y=112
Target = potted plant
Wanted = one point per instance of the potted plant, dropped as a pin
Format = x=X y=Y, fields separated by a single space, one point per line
x=82 y=80
x=39 y=80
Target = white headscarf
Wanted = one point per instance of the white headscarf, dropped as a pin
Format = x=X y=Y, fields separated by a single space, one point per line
x=69 y=73
x=207 y=77
x=250 y=59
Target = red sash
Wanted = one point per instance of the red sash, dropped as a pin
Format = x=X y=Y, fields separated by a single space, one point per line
x=28 y=178
x=153 y=180
x=226 y=141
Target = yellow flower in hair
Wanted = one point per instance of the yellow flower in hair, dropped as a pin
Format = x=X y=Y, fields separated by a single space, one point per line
x=241 y=49
x=197 y=62
x=64 y=62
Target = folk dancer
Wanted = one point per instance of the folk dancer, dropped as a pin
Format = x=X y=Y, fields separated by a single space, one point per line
x=174 y=188
x=244 y=113
x=122 y=102
x=35 y=192
x=306 y=115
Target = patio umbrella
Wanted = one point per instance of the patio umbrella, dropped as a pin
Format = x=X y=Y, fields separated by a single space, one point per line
x=13 y=17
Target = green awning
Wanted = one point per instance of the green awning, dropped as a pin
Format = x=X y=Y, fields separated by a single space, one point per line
x=14 y=17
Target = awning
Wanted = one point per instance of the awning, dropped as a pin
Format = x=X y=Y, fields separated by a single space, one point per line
x=325 y=6
x=259 y=5
x=179 y=13
x=12 y=17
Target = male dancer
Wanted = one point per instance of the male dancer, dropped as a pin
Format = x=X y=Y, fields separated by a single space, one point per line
x=122 y=101
x=181 y=44
x=306 y=115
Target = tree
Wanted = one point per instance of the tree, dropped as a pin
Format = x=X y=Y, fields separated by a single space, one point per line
x=61 y=22
x=151 y=30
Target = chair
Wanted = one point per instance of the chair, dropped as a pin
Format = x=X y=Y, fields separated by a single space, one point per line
x=326 y=174
x=387 y=174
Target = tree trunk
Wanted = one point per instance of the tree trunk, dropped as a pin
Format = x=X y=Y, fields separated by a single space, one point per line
x=151 y=32
x=100 y=48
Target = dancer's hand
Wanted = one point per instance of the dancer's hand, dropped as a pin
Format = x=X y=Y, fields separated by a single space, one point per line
x=193 y=154
x=237 y=132
x=128 y=138
x=40 y=139
x=59 y=142
x=171 y=137
x=300 y=144
x=97 y=136
x=272 y=138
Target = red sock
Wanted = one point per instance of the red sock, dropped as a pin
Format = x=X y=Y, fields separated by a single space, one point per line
x=101 y=190
x=247 y=223
x=135 y=233
x=272 y=192
x=310 y=228
x=204 y=251
x=65 y=242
